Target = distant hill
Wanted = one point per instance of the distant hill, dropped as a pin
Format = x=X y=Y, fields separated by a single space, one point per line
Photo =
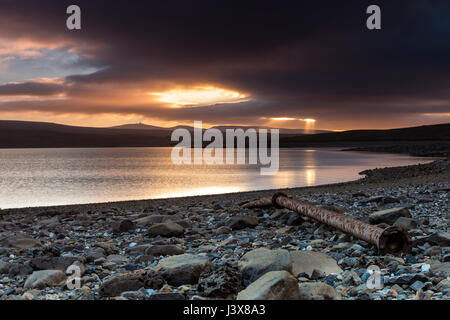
x=439 y=132
x=429 y=141
x=27 y=134
x=138 y=126
x=142 y=126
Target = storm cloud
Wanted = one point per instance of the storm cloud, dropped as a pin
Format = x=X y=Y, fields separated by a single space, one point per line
x=292 y=59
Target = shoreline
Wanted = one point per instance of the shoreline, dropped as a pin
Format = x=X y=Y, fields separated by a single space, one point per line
x=362 y=183
x=209 y=247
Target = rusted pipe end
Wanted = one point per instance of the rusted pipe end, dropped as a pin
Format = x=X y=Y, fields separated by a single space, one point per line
x=395 y=241
x=274 y=199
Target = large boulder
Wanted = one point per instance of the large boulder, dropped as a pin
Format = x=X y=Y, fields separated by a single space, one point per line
x=274 y=285
x=308 y=261
x=131 y=281
x=44 y=278
x=317 y=291
x=389 y=216
x=260 y=261
x=183 y=269
x=166 y=229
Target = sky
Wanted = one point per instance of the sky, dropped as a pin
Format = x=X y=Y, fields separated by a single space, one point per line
x=286 y=64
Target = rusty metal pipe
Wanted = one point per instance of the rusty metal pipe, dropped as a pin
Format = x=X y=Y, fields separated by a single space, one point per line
x=390 y=240
x=260 y=203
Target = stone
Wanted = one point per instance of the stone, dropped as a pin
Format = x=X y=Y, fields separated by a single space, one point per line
x=295 y=220
x=125 y=225
x=137 y=249
x=223 y=230
x=223 y=282
x=19 y=269
x=307 y=261
x=52 y=263
x=99 y=261
x=153 y=219
x=131 y=281
x=183 y=269
x=433 y=251
x=439 y=238
x=166 y=229
x=19 y=241
x=257 y=262
x=417 y=285
x=164 y=250
x=108 y=247
x=389 y=216
x=4 y=267
x=242 y=222
x=406 y=223
x=273 y=285
x=443 y=285
x=117 y=258
x=407 y=278
x=441 y=269
x=316 y=291
x=95 y=254
x=144 y=258
x=44 y=278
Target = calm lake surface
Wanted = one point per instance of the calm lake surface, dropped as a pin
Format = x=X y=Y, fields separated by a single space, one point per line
x=42 y=177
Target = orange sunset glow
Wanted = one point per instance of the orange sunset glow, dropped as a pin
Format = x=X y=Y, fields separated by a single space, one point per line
x=112 y=73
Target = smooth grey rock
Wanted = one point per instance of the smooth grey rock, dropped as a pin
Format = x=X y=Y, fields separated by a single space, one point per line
x=117 y=258
x=257 y=262
x=307 y=261
x=439 y=238
x=19 y=241
x=389 y=216
x=242 y=222
x=406 y=223
x=44 y=278
x=317 y=290
x=4 y=267
x=274 y=285
x=183 y=269
x=442 y=268
x=164 y=250
x=131 y=281
x=166 y=229
x=152 y=219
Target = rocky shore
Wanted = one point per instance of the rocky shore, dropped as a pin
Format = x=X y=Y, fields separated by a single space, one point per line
x=209 y=247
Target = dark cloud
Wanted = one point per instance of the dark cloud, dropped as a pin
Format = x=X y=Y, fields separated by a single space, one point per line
x=296 y=58
x=31 y=88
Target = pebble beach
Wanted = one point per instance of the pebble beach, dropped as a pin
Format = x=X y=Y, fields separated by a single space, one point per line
x=209 y=247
